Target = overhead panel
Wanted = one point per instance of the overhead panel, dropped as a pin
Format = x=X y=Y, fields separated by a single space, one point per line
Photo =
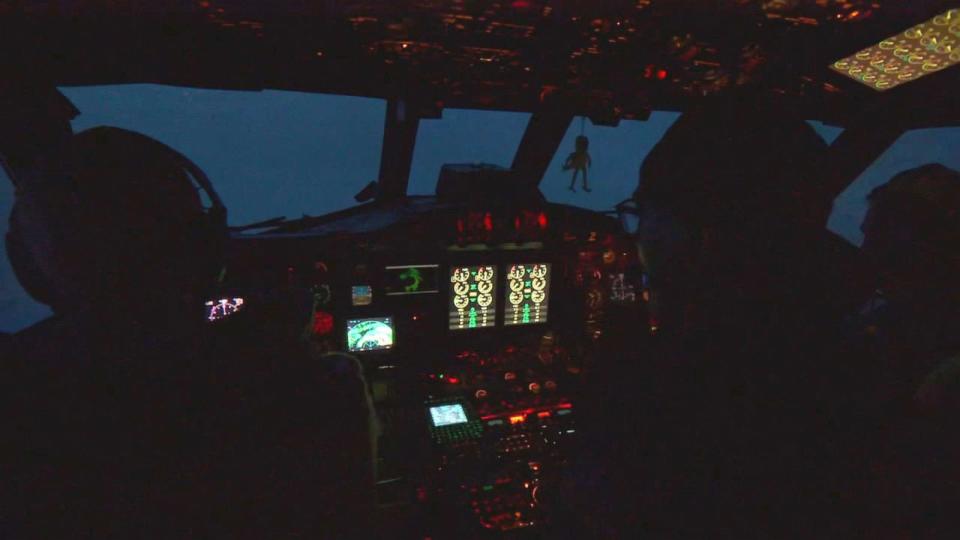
x=921 y=50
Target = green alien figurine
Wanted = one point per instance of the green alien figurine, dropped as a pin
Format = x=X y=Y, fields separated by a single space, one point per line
x=579 y=160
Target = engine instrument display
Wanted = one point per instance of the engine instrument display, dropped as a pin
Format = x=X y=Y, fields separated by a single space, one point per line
x=370 y=334
x=412 y=279
x=448 y=415
x=473 y=297
x=527 y=294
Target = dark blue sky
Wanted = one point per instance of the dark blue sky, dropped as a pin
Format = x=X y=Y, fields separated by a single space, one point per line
x=285 y=153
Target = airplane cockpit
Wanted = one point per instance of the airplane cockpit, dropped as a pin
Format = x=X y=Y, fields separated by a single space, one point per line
x=498 y=329
x=475 y=317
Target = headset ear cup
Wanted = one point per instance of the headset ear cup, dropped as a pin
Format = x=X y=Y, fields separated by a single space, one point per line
x=26 y=270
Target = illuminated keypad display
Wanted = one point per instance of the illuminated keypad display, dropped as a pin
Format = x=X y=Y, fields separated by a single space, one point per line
x=473 y=297
x=923 y=49
x=527 y=294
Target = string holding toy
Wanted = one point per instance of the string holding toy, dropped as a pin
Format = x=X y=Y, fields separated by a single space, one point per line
x=579 y=160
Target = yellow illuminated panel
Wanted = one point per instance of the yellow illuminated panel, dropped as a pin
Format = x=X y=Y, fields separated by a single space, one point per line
x=926 y=48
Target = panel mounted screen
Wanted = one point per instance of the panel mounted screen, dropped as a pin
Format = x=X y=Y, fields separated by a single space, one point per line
x=370 y=334
x=412 y=279
x=448 y=415
x=527 y=294
x=361 y=295
x=473 y=297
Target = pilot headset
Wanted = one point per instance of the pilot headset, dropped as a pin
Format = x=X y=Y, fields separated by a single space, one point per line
x=108 y=166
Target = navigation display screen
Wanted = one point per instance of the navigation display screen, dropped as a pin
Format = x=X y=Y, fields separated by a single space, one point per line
x=527 y=294
x=412 y=279
x=370 y=334
x=473 y=297
x=447 y=415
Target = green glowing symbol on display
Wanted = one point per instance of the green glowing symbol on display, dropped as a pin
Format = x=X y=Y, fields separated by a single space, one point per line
x=473 y=318
x=526 y=313
x=413 y=277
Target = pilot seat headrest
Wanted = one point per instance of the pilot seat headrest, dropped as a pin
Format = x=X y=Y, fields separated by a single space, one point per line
x=731 y=159
x=133 y=223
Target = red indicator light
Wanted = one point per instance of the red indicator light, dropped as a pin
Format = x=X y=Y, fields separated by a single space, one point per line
x=544 y=414
x=662 y=74
x=453 y=380
x=488 y=221
x=322 y=323
x=542 y=220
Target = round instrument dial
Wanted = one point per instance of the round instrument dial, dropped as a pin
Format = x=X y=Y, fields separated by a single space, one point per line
x=461 y=275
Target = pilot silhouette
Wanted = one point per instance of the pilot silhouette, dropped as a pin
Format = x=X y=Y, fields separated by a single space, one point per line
x=579 y=160
x=129 y=415
x=912 y=326
x=748 y=291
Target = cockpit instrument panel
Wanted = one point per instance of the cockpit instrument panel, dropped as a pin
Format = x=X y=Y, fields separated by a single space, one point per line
x=412 y=279
x=370 y=334
x=446 y=415
x=222 y=308
x=527 y=294
x=473 y=297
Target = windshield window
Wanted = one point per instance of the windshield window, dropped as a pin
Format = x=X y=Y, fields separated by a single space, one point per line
x=17 y=309
x=911 y=150
x=472 y=136
x=463 y=136
x=615 y=153
x=267 y=153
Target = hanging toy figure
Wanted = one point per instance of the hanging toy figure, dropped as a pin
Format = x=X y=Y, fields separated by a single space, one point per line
x=579 y=160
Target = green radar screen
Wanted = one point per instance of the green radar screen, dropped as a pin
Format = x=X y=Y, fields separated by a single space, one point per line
x=369 y=334
x=412 y=279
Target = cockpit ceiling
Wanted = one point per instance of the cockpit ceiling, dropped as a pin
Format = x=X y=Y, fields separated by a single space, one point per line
x=919 y=51
x=609 y=59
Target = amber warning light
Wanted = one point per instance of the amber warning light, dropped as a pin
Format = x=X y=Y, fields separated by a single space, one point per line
x=921 y=50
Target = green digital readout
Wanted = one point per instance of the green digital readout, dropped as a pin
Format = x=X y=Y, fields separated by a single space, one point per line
x=411 y=279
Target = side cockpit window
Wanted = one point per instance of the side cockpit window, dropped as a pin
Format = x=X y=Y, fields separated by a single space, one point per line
x=913 y=149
